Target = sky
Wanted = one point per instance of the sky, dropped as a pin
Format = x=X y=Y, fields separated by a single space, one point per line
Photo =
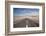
x=25 y=11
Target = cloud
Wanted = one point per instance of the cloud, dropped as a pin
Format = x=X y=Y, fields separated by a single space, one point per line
x=26 y=12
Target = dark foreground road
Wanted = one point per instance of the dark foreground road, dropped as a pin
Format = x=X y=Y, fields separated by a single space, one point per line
x=24 y=22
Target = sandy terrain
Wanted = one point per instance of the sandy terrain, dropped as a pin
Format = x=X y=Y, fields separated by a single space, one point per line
x=21 y=21
x=35 y=18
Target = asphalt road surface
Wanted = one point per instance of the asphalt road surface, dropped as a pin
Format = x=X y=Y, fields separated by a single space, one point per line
x=26 y=23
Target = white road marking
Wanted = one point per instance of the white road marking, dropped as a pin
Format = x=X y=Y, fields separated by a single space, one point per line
x=27 y=23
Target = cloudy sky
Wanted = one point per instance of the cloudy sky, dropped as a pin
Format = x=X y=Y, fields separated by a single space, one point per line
x=25 y=11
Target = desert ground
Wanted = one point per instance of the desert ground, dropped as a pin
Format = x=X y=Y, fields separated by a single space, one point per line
x=26 y=21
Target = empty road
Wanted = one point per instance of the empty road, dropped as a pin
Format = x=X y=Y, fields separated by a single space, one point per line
x=26 y=23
